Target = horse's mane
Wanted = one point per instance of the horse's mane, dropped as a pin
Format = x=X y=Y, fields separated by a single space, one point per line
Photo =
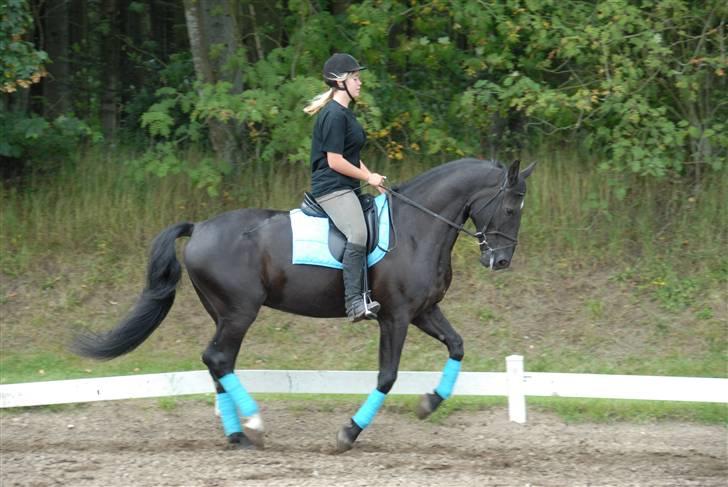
x=443 y=170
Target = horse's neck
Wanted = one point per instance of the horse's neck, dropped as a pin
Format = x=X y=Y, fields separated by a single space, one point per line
x=448 y=196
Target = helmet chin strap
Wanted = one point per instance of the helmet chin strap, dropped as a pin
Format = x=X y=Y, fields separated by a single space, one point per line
x=351 y=98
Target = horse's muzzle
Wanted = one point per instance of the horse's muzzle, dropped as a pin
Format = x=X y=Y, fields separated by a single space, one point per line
x=495 y=260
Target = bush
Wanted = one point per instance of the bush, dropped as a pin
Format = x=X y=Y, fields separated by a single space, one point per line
x=31 y=139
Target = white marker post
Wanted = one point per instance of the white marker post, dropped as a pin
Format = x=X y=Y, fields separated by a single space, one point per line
x=516 y=396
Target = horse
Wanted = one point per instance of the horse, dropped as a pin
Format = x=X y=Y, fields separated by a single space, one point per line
x=240 y=260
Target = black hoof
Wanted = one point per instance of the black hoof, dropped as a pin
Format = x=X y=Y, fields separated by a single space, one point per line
x=428 y=404
x=347 y=436
x=238 y=441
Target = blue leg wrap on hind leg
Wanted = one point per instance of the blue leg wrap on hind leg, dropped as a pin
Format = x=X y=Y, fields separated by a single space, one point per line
x=369 y=409
x=448 y=379
x=228 y=414
x=245 y=403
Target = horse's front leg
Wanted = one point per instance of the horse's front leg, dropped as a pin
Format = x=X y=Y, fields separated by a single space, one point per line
x=391 y=341
x=434 y=323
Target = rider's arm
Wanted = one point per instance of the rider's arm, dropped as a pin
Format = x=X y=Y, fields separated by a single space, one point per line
x=341 y=165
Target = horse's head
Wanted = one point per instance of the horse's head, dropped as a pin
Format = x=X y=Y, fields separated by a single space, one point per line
x=496 y=213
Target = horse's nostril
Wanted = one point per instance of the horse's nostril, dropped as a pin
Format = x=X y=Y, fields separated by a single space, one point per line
x=502 y=263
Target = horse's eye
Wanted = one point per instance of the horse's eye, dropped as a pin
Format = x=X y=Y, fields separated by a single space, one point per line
x=509 y=211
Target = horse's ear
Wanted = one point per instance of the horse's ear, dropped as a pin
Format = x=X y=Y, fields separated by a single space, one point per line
x=513 y=172
x=527 y=172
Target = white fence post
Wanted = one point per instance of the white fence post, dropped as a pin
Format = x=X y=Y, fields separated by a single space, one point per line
x=516 y=396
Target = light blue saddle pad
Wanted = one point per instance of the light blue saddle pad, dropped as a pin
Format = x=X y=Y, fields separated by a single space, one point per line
x=311 y=238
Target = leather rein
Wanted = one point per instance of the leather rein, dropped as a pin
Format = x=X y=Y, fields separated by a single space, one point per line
x=481 y=236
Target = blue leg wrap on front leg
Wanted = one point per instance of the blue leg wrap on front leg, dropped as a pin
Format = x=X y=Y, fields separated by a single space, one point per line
x=448 y=379
x=245 y=403
x=369 y=409
x=228 y=414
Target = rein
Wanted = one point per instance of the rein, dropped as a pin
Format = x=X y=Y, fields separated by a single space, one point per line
x=479 y=235
x=459 y=228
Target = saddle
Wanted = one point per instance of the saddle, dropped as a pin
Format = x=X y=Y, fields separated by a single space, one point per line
x=337 y=240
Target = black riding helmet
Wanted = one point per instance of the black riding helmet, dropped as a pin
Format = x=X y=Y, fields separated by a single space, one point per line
x=338 y=65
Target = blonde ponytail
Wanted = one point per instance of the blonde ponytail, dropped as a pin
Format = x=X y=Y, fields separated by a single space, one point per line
x=319 y=102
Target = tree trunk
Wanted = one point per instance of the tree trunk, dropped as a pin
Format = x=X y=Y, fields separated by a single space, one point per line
x=198 y=44
x=164 y=17
x=57 y=85
x=135 y=30
x=78 y=13
x=212 y=27
x=111 y=52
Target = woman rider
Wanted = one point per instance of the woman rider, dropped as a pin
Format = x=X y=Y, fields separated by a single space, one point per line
x=337 y=171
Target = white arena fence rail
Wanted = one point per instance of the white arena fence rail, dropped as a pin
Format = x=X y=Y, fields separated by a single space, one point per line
x=514 y=383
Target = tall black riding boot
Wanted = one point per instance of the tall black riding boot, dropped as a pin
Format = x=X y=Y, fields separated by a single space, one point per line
x=357 y=306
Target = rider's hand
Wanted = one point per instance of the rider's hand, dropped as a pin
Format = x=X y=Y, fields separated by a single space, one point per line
x=376 y=180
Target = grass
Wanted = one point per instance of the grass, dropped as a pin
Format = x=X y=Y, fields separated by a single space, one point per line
x=606 y=411
x=599 y=284
x=59 y=365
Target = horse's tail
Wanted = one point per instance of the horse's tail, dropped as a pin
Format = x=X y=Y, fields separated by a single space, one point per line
x=163 y=275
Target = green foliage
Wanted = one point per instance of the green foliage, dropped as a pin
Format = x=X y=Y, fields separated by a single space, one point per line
x=270 y=110
x=163 y=159
x=639 y=83
x=33 y=138
x=21 y=63
x=173 y=125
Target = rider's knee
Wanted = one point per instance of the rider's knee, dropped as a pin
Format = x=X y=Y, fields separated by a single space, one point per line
x=358 y=236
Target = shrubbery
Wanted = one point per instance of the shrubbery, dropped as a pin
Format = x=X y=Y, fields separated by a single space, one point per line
x=31 y=139
x=640 y=85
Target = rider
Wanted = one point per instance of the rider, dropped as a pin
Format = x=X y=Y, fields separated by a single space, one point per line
x=337 y=170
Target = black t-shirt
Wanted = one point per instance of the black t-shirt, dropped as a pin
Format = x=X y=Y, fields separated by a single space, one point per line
x=336 y=130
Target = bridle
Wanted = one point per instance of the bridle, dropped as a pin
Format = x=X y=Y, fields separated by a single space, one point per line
x=481 y=235
x=484 y=233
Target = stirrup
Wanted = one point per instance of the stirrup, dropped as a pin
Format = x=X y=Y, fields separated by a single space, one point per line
x=371 y=307
x=364 y=309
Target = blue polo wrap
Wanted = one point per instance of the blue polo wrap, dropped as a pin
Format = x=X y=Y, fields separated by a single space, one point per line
x=228 y=414
x=448 y=379
x=369 y=409
x=244 y=402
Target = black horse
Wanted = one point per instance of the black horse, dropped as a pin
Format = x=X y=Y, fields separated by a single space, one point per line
x=241 y=260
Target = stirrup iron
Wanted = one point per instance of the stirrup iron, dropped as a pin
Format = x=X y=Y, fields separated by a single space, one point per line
x=371 y=307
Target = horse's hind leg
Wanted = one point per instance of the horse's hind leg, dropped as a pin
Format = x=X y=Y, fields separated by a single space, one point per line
x=224 y=405
x=220 y=357
x=434 y=323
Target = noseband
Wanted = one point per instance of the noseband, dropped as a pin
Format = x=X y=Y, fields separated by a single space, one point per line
x=482 y=235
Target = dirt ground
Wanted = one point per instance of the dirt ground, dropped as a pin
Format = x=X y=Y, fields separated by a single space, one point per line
x=139 y=443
